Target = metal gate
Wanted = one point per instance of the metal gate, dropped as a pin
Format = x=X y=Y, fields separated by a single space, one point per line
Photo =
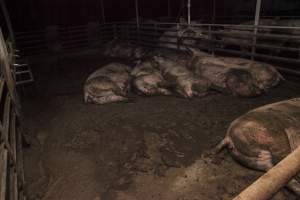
x=276 y=44
x=11 y=158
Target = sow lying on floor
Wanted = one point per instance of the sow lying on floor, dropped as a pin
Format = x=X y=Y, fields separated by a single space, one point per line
x=148 y=80
x=181 y=79
x=107 y=84
x=240 y=77
x=264 y=136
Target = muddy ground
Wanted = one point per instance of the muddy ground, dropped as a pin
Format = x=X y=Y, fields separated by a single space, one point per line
x=150 y=148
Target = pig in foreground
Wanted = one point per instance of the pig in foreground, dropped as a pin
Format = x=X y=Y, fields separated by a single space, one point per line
x=264 y=136
x=240 y=77
x=149 y=80
x=181 y=79
x=107 y=84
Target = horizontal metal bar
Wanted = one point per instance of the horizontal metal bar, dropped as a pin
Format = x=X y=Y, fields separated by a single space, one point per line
x=72 y=27
x=29 y=32
x=23 y=82
x=286 y=60
x=24 y=37
x=27 y=42
x=23 y=72
x=76 y=32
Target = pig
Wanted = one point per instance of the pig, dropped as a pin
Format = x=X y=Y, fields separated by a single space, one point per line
x=237 y=76
x=264 y=136
x=225 y=77
x=181 y=79
x=149 y=80
x=108 y=84
x=265 y=74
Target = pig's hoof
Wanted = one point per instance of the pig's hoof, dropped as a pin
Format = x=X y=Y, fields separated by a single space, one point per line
x=264 y=160
x=264 y=155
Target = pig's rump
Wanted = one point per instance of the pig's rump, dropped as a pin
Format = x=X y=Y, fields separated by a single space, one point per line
x=274 y=128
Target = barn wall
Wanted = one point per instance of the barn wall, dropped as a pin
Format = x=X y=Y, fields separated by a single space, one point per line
x=37 y=14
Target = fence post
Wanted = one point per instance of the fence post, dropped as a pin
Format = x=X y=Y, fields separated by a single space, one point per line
x=127 y=28
x=138 y=34
x=52 y=39
x=177 y=33
x=256 y=23
x=92 y=33
x=211 y=42
x=115 y=31
x=155 y=31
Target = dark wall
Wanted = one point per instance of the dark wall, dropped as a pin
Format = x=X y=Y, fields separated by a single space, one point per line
x=36 y=14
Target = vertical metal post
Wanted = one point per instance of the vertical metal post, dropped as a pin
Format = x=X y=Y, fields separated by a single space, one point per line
x=155 y=32
x=214 y=11
x=137 y=14
x=8 y=21
x=189 y=12
x=211 y=42
x=115 y=31
x=102 y=11
x=137 y=20
x=177 y=34
x=169 y=8
x=256 y=23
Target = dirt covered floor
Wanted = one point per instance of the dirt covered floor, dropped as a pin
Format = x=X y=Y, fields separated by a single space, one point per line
x=150 y=148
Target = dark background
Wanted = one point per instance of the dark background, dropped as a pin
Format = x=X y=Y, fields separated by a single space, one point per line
x=37 y=14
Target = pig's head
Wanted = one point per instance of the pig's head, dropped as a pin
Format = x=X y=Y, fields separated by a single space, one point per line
x=147 y=89
x=200 y=87
x=185 y=88
x=241 y=83
x=266 y=76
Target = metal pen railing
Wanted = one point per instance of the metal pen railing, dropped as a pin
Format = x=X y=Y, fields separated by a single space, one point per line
x=279 y=44
x=11 y=156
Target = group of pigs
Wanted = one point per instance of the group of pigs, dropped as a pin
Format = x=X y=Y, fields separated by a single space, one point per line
x=186 y=74
x=259 y=139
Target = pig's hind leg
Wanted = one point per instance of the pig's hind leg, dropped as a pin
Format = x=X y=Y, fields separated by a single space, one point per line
x=108 y=99
x=262 y=162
